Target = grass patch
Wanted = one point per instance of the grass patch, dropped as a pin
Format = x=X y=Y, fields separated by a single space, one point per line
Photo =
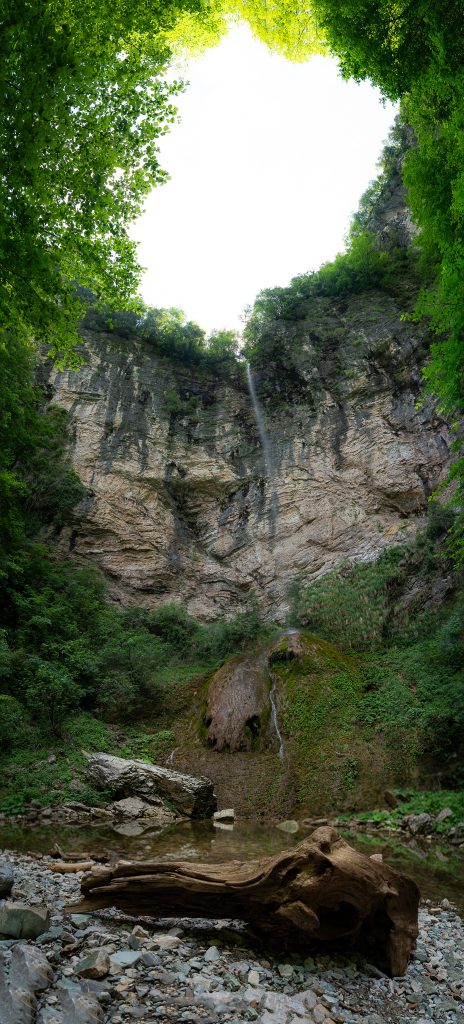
x=420 y=802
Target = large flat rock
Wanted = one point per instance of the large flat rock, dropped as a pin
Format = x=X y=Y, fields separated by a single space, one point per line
x=191 y=796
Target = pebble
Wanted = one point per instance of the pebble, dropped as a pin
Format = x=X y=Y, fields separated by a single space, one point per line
x=179 y=974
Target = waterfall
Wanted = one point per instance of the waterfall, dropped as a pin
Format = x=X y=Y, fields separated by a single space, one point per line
x=275 y=720
x=267 y=453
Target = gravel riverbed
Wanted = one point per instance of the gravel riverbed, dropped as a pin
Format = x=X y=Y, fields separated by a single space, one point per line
x=107 y=969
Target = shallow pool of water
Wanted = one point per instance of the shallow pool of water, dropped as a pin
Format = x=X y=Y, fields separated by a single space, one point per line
x=438 y=870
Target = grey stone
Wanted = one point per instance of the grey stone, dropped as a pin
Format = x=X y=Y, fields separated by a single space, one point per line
x=212 y=954
x=309 y=998
x=29 y=974
x=192 y=796
x=228 y=814
x=419 y=824
x=19 y=921
x=6 y=878
x=95 y=965
x=273 y=1018
x=133 y=807
x=30 y=965
x=73 y=1006
x=125 y=957
x=150 y=959
x=444 y=815
x=52 y=935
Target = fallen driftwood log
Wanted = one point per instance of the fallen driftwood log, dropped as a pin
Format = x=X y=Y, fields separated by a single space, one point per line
x=67 y=867
x=321 y=894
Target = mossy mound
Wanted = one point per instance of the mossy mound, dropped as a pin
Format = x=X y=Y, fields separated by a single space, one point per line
x=335 y=762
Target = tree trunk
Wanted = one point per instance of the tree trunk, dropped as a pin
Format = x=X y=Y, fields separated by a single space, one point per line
x=320 y=895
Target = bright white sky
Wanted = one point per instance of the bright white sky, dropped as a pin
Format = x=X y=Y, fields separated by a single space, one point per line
x=267 y=165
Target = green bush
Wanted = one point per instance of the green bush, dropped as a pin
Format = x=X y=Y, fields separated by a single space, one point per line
x=352 y=606
x=50 y=694
x=15 y=730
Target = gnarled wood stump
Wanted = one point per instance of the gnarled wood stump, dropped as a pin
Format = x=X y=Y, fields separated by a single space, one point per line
x=321 y=894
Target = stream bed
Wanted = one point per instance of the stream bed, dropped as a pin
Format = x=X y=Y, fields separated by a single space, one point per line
x=437 y=868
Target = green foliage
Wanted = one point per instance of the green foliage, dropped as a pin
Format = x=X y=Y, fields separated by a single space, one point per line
x=410 y=657
x=14 y=730
x=352 y=607
x=223 y=345
x=392 y=42
x=363 y=267
x=169 y=333
x=31 y=776
x=425 y=801
x=37 y=485
x=415 y=694
x=80 y=117
x=289 y=29
x=284 y=26
x=319 y=695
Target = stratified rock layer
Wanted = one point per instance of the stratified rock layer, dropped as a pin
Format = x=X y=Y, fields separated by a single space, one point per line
x=180 y=505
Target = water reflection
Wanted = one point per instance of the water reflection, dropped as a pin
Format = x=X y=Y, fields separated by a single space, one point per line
x=439 y=870
x=189 y=840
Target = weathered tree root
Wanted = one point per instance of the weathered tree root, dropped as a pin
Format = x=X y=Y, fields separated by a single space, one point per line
x=322 y=894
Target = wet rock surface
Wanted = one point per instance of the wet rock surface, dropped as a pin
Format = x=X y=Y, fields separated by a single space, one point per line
x=207 y=972
x=236 y=705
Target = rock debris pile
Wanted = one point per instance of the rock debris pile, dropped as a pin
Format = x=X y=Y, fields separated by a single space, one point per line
x=107 y=969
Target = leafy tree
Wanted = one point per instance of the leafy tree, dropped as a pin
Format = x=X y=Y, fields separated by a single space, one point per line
x=82 y=106
x=286 y=26
x=392 y=42
x=50 y=693
x=172 y=335
x=37 y=484
x=223 y=344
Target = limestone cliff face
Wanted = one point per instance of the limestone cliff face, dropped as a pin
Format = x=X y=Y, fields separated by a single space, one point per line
x=183 y=506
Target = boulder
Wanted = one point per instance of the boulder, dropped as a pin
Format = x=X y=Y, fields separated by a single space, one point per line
x=132 y=807
x=96 y=965
x=18 y=921
x=189 y=795
x=29 y=968
x=29 y=974
x=456 y=834
x=444 y=815
x=227 y=815
x=6 y=878
x=74 y=1006
x=419 y=824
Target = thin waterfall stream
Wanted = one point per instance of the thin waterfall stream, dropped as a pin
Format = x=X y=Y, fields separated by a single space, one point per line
x=265 y=445
x=275 y=719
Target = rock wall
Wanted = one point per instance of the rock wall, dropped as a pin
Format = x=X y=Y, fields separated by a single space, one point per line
x=181 y=504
